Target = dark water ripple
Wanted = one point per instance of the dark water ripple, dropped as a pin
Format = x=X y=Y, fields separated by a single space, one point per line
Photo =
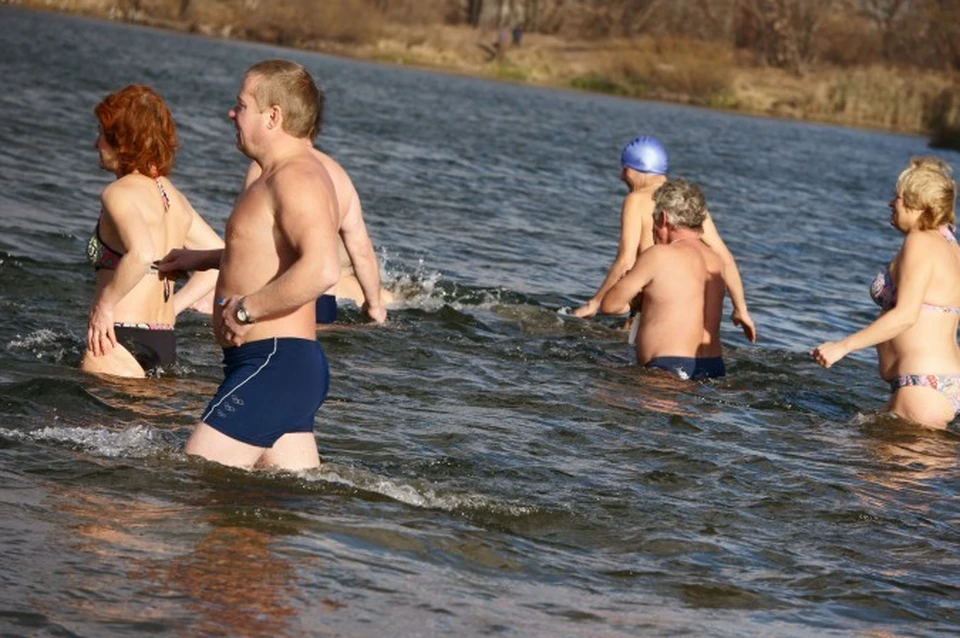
x=493 y=465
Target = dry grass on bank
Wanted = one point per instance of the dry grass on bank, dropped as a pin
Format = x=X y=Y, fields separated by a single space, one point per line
x=668 y=68
x=663 y=68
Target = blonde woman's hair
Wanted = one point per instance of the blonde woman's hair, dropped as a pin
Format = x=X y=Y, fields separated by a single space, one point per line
x=927 y=185
x=682 y=202
x=288 y=85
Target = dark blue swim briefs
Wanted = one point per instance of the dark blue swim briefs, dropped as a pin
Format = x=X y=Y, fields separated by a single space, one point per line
x=690 y=367
x=326 y=309
x=271 y=387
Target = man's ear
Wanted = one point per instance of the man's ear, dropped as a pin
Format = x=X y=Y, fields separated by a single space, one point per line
x=275 y=117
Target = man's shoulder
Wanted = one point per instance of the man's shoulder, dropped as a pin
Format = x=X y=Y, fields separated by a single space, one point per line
x=657 y=253
x=303 y=170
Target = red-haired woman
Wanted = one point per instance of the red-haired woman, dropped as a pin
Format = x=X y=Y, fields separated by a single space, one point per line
x=142 y=217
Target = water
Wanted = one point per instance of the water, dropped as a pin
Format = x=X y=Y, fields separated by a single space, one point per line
x=493 y=465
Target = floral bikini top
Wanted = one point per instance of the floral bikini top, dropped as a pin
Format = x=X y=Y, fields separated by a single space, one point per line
x=103 y=257
x=883 y=290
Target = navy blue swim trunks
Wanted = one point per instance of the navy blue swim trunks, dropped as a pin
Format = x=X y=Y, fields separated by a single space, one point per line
x=690 y=367
x=271 y=387
x=326 y=309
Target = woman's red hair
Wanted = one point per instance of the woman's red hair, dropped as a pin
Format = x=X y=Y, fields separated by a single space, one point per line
x=137 y=123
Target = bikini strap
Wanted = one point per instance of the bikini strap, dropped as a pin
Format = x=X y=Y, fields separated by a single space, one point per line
x=163 y=193
x=948 y=231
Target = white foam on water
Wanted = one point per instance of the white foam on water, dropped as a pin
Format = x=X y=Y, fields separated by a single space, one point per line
x=45 y=343
x=417 y=495
x=137 y=441
x=41 y=337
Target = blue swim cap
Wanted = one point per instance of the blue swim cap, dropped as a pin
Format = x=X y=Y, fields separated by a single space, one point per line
x=645 y=154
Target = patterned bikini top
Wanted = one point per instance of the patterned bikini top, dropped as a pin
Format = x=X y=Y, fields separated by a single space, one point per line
x=103 y=257
x=883 y=290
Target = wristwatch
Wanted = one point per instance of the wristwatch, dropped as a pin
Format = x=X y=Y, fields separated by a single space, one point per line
x=241 y=314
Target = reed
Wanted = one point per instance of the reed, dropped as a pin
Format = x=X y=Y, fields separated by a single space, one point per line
x=894 y=99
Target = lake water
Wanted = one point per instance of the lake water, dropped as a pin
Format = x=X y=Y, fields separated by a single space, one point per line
x=493 y=466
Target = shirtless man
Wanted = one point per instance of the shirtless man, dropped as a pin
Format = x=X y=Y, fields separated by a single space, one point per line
x=644 y=166
x=678 y=287
x=280 y=256
x=359 y=270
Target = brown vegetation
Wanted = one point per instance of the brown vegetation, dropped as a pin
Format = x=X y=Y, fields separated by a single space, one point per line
x=890 y=64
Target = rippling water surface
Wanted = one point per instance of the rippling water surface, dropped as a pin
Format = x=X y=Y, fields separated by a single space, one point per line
x=493 y=465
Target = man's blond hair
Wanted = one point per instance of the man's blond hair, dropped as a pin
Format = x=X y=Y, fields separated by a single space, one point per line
x=288 y=85
x=682 y=202
x=927 y=185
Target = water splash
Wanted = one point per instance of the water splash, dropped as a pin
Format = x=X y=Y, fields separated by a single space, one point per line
x=138 y=441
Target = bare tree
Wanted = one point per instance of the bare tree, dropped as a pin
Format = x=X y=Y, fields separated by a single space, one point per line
x=474 y=12
x=785 y=30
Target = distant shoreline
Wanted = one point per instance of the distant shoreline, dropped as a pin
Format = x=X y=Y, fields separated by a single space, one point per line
x=872 y=98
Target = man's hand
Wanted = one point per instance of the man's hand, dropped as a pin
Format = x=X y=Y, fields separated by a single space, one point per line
x=587 y=310
x=179 y=262
x=227 y=330
x=827 y=354
x=377 y=313
x=101 y=337
x=743 y=320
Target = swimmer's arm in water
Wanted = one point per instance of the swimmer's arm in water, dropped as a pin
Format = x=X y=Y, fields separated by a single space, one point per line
x=621 y=298
x=353 y=231
x=731 y=277
x=632 y=216
x=913 y=275
x=200 y=236
x=137 y=244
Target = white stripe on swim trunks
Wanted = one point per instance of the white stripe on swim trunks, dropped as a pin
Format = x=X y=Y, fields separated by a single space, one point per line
x=239 y=385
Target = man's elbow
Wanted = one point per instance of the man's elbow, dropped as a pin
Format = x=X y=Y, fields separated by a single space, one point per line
x=609 y=306
x=328 y=275
x=623 y=263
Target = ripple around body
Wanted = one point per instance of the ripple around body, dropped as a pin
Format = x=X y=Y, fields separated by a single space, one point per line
x=494 y=466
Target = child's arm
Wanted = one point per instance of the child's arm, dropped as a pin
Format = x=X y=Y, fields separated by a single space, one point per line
x=632 y=215
x=731 y=277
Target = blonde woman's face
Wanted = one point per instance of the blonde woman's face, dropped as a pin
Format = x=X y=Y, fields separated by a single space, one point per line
x=902 y=217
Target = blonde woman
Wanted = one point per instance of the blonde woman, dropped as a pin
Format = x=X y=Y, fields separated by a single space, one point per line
x=919 y=298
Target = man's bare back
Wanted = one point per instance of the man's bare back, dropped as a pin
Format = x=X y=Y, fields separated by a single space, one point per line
x=678 y=285
x=683 y=304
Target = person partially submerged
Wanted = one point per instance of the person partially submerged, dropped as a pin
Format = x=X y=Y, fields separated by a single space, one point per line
x=644 y=166
x=677 y=286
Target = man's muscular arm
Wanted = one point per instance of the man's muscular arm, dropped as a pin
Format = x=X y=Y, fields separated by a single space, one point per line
x=304 y=216
x=364 y=260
